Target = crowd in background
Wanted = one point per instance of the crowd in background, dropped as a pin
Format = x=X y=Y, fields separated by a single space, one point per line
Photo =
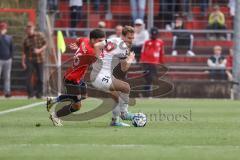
x=147 y=45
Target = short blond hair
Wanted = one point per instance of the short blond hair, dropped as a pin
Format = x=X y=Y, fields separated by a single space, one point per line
x=127 y=29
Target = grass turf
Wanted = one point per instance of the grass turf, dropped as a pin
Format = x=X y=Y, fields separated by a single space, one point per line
x=191 y=130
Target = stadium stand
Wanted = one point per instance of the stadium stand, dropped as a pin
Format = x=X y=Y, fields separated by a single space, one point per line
x=182 y=70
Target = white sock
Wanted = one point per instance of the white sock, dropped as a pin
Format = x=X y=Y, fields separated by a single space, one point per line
x=116 y=111
x=123 y=102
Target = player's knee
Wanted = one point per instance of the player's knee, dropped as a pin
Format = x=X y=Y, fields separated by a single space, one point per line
x=127 y=88
x=115 y=98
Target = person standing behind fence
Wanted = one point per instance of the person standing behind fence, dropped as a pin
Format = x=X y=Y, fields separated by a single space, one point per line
x=118 y=32
x=6 y=54
x=34 y=46
x=167 y=11
x=152 y=55
x=140 y=36
x=138 y=9
x=75 y=14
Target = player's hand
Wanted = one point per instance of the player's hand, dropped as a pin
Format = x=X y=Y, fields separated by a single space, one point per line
x=131 y=57
x=73 y=46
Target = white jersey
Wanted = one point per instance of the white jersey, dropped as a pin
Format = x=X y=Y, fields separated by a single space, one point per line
x=101 y=76
x=115 y=50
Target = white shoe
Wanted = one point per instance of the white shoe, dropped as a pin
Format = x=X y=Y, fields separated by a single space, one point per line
x=56 y=121
x=174 y=53
x=190 y=53
x=50 y=103
x=119 y=124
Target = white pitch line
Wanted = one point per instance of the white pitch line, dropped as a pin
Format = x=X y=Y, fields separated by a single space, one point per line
x=120 y=146
x=21 y=108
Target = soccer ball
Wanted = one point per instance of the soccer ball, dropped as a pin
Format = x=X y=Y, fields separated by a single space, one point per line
x=139 y=120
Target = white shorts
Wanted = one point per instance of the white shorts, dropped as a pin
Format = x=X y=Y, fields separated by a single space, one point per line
x=102 y=80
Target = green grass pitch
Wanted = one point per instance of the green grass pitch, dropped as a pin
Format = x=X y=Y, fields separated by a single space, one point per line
x=196 y=129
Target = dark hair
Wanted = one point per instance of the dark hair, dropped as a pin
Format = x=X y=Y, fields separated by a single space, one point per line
x=154 y=31
x=127 y=29
x=97 y=33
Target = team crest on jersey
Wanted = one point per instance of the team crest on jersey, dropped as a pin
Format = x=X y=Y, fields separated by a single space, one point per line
x=110 y=46
x=76 y=61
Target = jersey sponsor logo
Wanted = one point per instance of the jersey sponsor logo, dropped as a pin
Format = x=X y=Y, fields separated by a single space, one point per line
x=110 y=46
x=76 y=61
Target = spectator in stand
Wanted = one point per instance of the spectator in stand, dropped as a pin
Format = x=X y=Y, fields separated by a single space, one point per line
x=138 y=9
x=118 y=32
x=101 y=24
x=52 y=5
x=217 y=64
x=232 y=5
x=204 y=7
x=229 y=65
x=167 y=12
x=75 y=13
x=182 y=40
x=34 y=46
x=152 y=55
x=6 y=55
x=216 y=21
x=140 y=36
x=187 y=7
x=97 y=3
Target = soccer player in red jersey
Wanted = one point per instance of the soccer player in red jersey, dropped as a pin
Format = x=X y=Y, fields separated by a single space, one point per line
x=152 y=55
x=73 y=77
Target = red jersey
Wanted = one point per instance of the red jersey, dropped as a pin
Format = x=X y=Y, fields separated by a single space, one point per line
x=83 y=57
x=153 y=52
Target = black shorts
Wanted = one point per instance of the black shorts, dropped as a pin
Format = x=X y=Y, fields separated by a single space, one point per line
x=74 y=88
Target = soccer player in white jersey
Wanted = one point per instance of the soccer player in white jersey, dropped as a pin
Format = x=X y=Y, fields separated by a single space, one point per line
x=110 y=53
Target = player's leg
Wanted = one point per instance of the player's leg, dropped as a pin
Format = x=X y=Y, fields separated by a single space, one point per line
x=64 y=111
x=64 y=97
x=80 y=91
x=120 y=86
x=106 y=82
x=68 y=109
x=116 y=112
x=124 y=90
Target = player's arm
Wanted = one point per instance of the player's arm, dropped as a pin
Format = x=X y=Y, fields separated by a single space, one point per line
x=24 y=55
x=24 y=61
x=126 y=63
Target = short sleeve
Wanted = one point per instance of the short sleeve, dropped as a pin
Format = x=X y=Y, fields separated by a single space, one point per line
x=124 y=54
